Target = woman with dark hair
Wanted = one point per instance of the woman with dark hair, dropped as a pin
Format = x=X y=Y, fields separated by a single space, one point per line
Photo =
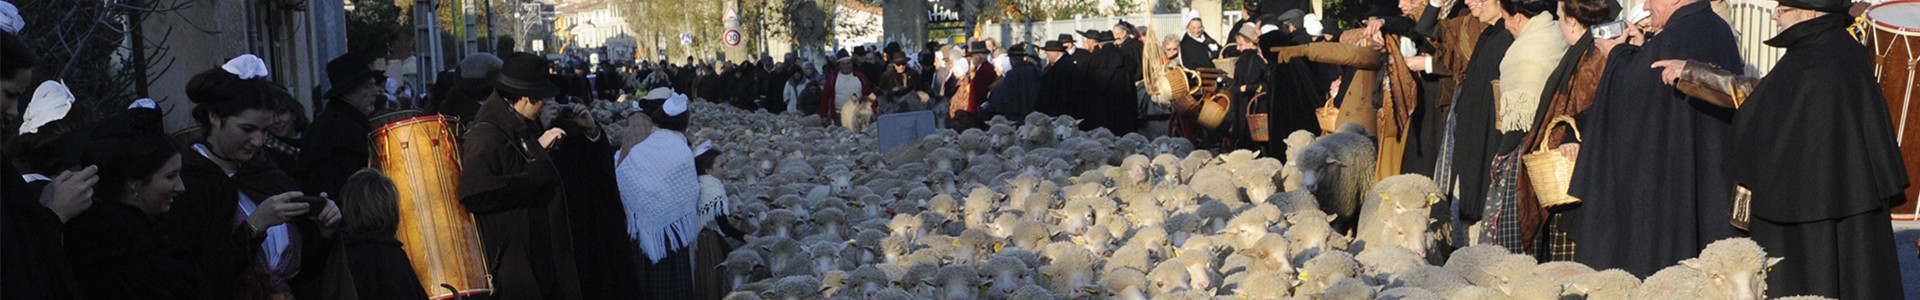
x=379 y=267
x=660 y=190
x=1517 y=92
x=31 y=262
x=118 y=248
x=1569 y=91
x=241 y=223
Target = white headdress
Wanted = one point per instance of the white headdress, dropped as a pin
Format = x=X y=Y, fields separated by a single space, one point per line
x=246 y=66
x=51 y=102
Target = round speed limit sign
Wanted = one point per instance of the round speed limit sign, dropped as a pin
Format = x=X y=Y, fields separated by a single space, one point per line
x=733 y=37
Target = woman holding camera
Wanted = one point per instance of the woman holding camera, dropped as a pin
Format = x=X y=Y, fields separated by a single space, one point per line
x=243 y=222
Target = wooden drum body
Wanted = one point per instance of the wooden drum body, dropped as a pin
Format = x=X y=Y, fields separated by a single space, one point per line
x=1896 y=45
x=422 y=157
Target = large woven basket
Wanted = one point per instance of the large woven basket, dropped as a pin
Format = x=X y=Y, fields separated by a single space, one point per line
x=1329 y=117
x=1548 y=170
x=1213 y=111
x=1181 y=88
x=1257 y=122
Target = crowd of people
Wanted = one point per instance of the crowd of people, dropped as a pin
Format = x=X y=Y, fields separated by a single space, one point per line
x=1675 y=147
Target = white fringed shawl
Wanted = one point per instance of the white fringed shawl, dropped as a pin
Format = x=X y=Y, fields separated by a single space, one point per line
x=660 y=190
x=1523 y=72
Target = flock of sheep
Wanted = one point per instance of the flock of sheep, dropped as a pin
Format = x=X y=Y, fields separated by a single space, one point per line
x=1041 y=210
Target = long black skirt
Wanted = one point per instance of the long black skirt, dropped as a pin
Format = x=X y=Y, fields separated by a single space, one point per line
x=1846 y=258
x=670 y=278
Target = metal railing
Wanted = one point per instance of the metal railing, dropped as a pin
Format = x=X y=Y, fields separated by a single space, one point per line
x=1753 y=25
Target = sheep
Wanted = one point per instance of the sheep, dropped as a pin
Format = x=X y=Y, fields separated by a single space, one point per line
x=1735 y=268
x=1611 y=284
x=1129 y=257
x=1256 y=177
x=1030 y=292
x=741 y=267
x=1322 y=272
x=1125 y=283
x=1408 y=293
x=797 y=287
x=1216 y=183
x=1431 y=278
x=1271 y=252
x=1167 y=279
x=864 y=282
x=1337 y=168
x=1675 y=282
x=1348 y=289
x=1007 y=273
x=1071 y=271
x=957 y=282
x=1264 y=284
x=1380 y=262
x=1405 y=230
x=1311 y=234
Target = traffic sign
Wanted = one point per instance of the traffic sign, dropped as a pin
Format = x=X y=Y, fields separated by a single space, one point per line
x=733 y=37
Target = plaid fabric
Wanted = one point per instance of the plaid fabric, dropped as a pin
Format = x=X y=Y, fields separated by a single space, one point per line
x=1443 y=164
x=1502 y=221
x=1557 y=244
x=671 y=278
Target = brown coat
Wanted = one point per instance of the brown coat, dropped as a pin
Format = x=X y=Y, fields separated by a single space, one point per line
x=1568 y=101
x=1453 y=50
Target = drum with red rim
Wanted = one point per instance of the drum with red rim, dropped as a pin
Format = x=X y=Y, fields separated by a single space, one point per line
x=1895 y=40
x=423 y=158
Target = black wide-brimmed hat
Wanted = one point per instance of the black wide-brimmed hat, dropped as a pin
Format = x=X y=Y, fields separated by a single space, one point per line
x=1066 y=39
x=977 y=48
x=1018 y=50
x=524 y=74
x=1053 y=46
x=347 y=72
x=1091 y=34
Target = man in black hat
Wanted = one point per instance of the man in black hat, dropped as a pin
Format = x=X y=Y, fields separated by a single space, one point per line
x=1820 y=115
x=896 y=86
x=1112 y=101
x=1131 y=49
x=1014 y=97
x=965 y=108
x=510 y=184
x=1060 y=84
x=336 y=144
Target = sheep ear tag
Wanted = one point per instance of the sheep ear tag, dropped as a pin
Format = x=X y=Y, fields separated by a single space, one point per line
x=1433 y=199
x=1303 y=275
x=956 y=242
x=998 y=245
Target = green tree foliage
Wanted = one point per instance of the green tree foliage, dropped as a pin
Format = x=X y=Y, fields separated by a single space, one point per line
x=374 y=26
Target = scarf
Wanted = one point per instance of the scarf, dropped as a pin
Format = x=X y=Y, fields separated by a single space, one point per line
x=660 y=192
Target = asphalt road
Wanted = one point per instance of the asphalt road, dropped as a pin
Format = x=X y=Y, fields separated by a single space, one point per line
x=1905 y=232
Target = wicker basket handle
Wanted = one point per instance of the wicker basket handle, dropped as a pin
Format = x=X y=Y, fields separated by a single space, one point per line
x=1557 y=120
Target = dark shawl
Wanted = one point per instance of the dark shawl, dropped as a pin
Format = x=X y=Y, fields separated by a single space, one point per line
x=1814 y=141
x=1652 y=173
x=1195 y=54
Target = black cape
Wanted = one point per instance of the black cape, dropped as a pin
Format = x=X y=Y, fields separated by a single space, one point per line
x=1060 y=88
x=1294 y=92
x=602 y=251
x=213 y=241
x=1815 y=145
x=118 y=252
x=1652 y=171
x=1474 y=138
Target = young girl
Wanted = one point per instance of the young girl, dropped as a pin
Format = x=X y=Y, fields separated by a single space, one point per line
x=379 y=267
x=712 y=248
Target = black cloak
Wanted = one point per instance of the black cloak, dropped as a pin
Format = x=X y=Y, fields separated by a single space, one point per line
x=1652 y=173
x=118 y=252
x=1199 y=53
x=1815 y=145
x=1474 y=138
x=1060 y=90
x=1293 y=93
x=336 y=146
x=510 y=184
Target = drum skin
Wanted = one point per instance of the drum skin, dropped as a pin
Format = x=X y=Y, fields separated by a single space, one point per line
x=422 y=157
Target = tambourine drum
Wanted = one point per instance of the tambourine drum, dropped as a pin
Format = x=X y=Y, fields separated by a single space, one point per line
x=1896 y=46
x=422 y=156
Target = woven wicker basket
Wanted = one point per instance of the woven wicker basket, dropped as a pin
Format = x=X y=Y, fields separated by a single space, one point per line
x=1329 y=117
x=1213 y=112
x=1257 y=122
x=1548 y=171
